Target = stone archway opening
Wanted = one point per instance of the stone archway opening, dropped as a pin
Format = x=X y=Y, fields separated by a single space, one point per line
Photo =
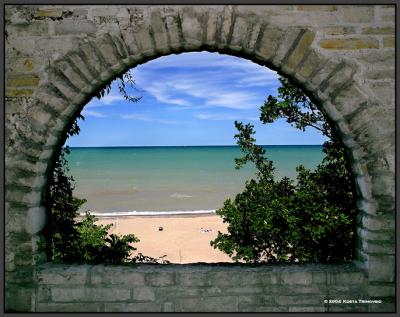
x=304 y=51
x=188 y=198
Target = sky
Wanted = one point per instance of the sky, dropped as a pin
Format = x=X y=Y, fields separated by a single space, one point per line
x=188 y=99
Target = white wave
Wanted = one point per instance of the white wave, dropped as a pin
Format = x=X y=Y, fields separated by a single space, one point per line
x=149 y=213
x=177 y=195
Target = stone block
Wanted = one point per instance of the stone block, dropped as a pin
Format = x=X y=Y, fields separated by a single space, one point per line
x=345 y=278
x=90 y=294
x=242 y=289
x=311 y=7
x=168 y=307
x=304 y=278
x=256 y=300
x=189 y=26
x=286 y=42
x=160 y=278
x=338 y=30
x=176 y=291
x=146 y=294
x=308 y=309
x=234 y=278
x=289 y=300
x=319 y=277
x=23 y=81
x=267 y=45
x=358 y=14
x=63 y=275
x=132 y=307
x=36 y=220
x=310 y=64
x=269 y=309
x=192 y=279
x=18 y=298
x=389 y=42
x=353 y=43
x=367 y=235
x=378 y=223
x=67 y=294
x=69 y=307
x=51 y=12
x=123 y=276
x=43 y=294
x=381 y=268
x=380 y=291
x=74 y=27
x=299 y=49
x=207 y=304
x=378 y=30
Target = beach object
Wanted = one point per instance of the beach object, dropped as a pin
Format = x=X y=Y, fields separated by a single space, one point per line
x=160 y=228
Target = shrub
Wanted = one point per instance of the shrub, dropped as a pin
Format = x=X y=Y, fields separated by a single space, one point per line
x=311 y=220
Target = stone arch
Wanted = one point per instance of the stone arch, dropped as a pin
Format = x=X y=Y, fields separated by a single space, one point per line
x=70 y=80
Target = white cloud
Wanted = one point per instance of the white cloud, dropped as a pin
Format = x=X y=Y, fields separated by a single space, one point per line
x=111 y=98
x=90 y=113
x=141 y=117
x=223 y=117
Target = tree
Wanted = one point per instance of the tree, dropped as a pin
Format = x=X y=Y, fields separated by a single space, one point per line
x=69 y=240
x=311 y=220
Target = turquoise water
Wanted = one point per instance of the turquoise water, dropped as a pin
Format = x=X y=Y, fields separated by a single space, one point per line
x=172 y=178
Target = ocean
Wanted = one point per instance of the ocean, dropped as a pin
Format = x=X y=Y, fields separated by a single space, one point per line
x=171 y=179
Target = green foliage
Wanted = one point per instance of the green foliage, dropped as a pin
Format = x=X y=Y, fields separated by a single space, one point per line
x=310 y=220
x=69 y=240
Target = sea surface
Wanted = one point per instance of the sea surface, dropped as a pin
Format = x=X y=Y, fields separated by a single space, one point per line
x=165 y=179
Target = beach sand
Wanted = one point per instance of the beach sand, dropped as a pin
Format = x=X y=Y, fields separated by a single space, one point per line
x=184 y=238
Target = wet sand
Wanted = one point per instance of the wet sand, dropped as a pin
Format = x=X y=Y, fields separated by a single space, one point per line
x=184 y=238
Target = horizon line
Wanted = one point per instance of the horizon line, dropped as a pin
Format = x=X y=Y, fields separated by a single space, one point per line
x=129 y=146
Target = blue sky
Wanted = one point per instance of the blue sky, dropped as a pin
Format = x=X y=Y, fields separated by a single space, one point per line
x=188 y=99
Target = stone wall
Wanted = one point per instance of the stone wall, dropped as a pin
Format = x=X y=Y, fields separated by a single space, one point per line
x=202 y=288
x=58 y=57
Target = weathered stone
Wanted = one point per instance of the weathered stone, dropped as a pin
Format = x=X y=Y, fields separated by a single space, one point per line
x=304 y=278
x=192 y=279
x=381 y=268
x=63 y=275
x=132 y=307
x=268 y=42
x=51 y=12
x=23 y=81
x=311 y=7
x=146 y=294
x=207 y=304
x=72 y=27
x=349 y=43
x=85 y=294
x=307 y=309
x=378 y=223
x=358 y=14
x=300 y=300
x=116 y=276
x=389 y=42
x=338 y=30
x=160 y=279
x=69 y=307
x=351 y=278
x=378 y=30
x=300 y=49
x=36 y=219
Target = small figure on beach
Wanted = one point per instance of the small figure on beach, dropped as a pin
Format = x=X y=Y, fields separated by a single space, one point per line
x=160 y=228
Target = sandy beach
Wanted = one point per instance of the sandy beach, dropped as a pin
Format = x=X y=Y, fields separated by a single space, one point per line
x=183 y=239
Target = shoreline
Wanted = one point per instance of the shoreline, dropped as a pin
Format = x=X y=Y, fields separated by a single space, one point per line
x=182 y=238
x=179 y=213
